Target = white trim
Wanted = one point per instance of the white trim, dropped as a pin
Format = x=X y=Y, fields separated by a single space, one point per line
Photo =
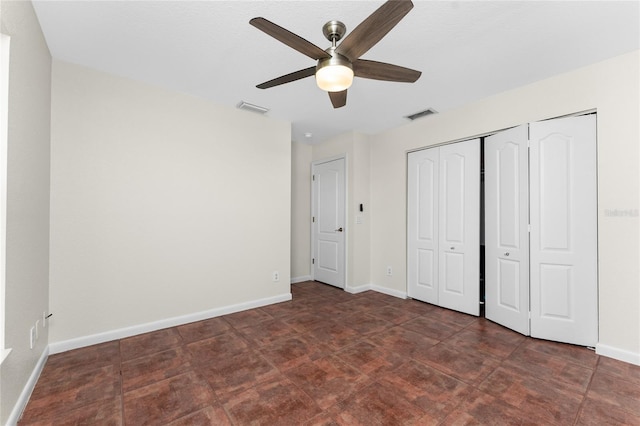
x=5 y=42
x=81 y=342
x=389 y=291
x=301 y=279
x=617 y=353
x=23 y=399
x=377 y=288
x=358 y=289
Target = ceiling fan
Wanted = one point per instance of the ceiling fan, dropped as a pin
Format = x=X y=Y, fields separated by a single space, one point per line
x=337 y=65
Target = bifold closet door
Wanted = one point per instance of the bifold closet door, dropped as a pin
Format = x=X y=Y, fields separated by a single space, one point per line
x=563 y=197
x=443 y=234
x=551 y=291
x=506 y=170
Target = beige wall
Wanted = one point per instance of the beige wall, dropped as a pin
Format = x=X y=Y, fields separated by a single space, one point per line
x=162 y=204
x=27 y=275
x=300 y=211
x=612 y=88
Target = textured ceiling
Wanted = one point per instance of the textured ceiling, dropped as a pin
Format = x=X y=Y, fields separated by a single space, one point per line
x=466 y=50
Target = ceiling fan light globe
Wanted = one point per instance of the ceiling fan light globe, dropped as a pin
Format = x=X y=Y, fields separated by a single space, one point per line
x=334 y=78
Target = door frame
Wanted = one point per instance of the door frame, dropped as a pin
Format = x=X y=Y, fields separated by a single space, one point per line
x=314 y=208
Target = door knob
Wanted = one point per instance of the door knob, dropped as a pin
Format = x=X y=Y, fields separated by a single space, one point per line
x=339 y=229
x=506 y=254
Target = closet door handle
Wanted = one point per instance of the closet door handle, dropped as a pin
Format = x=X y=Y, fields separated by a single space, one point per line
x=506 y=254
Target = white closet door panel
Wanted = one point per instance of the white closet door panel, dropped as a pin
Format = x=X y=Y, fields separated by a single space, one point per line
x=506 y=165
x=422 y=219
x=564 y=230
x=459 y=237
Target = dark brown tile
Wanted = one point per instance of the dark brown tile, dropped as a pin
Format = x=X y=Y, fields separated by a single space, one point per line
x=394 y=314
x=496 y=343
x=167 y=400
x=270 y=403
x=557 y=371
x=334 y=335
x=291 y=352
x=623 y=370
x=371 y=359
x=417 y=307
x=284 y=309
x=363 y=304
x=615 y=392
x=238 y=372
x=431 y=328
x=534 y=397
x=482 y=409
x=327 y=380
x=366 y=324
x=377 y=404
x=402 y=341
x=595 y=412
x=268 y=332
x=306 y=321
x=453 y=317
x=60 y=366
x=247 y=318
x=217 y=348
x=576 y=354
x=433 y=391
x=149 y=343
x=212 y=415
x=107 y=413
x=52 y=399
x=203 y=329
x=154 y=368
x=470 y=367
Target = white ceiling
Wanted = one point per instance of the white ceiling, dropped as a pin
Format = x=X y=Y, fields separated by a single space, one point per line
x=466 y=50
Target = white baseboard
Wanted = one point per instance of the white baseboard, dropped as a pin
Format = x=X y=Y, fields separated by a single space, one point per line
x=617 y=353
x=107 y=336
x=301 y=279
x=358 y=289
x=379 y=289
x=389 y=291
x=23 y=399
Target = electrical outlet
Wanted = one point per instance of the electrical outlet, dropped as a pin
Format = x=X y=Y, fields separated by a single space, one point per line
x=32 y=337
x=389 y=271
x=276 y=276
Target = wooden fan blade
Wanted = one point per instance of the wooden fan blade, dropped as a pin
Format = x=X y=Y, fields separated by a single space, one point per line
x=382 y=71
x=288 y=78
x=338 y=99
x=371 y=30
x=290 y=39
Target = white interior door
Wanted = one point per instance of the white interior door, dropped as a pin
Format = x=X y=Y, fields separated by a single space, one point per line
x=422 y=220
x=506 y=177
x=564 y=230
x=459 y=227
x=328 y=226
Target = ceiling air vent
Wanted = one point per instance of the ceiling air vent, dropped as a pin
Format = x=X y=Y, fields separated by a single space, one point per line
x=251 y=107
x=428 y=111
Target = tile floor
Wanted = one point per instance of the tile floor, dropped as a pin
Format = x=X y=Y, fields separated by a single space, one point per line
x=333 y=358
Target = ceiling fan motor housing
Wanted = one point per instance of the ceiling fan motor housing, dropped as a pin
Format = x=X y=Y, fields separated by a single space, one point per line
x=334 y=31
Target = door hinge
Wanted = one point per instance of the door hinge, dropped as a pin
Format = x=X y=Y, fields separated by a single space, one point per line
x=313 y=219
x=313 y=177
x=313 y=261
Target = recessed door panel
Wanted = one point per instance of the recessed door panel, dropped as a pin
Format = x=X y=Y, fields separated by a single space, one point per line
x=506 y=165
